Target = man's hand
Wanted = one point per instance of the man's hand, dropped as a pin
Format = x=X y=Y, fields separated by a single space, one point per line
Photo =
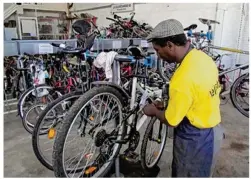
x=159 y=104
x=150 y=110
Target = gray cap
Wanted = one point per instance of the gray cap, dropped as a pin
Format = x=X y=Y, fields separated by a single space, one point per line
x=166 y=28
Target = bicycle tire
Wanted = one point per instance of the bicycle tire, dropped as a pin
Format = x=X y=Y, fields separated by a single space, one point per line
x=233 y=94
x=62 y=133
x=144 y=145
x=36 y=132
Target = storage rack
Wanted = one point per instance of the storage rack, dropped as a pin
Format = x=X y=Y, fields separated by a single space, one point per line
x=18 y=47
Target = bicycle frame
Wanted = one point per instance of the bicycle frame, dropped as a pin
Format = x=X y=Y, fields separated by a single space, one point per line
x=233 y=69
x=148 y=92
x=228 y=49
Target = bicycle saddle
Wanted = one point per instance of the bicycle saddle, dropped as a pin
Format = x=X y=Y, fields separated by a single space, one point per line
x=208 y=21
x=191 y=27
x=136 y=51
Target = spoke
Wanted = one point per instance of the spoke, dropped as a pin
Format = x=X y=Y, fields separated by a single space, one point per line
x=88 y=159
x=152 y=155
x=70 y=159
x=106 y=107
x=79 y=160
x=150 y=151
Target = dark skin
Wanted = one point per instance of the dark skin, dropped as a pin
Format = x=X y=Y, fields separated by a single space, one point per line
x=170 y=53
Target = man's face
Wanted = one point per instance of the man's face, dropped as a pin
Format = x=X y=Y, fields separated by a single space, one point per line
x=165 y=53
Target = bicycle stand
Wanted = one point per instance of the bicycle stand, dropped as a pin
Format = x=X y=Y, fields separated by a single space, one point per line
x=127 y=169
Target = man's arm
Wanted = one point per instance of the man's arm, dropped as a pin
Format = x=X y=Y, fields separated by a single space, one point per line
x=161 y=116
x=178 y=106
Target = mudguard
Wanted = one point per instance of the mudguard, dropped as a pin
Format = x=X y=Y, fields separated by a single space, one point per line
x=119 y=88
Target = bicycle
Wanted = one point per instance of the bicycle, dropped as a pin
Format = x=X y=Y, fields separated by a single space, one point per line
x=123 y=113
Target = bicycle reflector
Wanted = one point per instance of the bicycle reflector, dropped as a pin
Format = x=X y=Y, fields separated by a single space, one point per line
x=155 y=154
x=51 y=133
x=88 y=156
x=90 y=170
x=91 y=118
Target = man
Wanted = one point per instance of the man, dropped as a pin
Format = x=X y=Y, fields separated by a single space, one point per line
x=194 y=103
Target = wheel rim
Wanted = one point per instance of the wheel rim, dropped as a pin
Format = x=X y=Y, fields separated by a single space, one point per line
x=241 y=92
x=37 y=108
x=153 y=152
x=22 y=112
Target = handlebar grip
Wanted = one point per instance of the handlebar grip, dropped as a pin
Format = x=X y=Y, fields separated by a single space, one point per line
x=150 y=53
x=116 y=16
x=133 y=14
x=108 y=18
x=122 y=58
x=55 y=45
x=27 y=54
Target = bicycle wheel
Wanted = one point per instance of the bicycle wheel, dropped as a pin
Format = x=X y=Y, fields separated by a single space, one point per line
x=50 y=120
x=105 y=120
x=149 y=159
x=29 y=98
x=165 y=69
x=240 y=89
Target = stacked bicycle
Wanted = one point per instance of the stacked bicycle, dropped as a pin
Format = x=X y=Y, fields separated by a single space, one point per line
x=119 y=28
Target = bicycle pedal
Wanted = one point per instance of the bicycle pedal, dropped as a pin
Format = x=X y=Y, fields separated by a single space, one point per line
x=131 y=157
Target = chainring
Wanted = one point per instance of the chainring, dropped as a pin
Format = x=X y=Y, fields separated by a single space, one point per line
x=134 y=141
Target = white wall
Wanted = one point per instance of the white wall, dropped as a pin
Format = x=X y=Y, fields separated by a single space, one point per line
x=244 y=41
x=6 y=5
x=153 y=13
x=47 y=7
x=228 y=15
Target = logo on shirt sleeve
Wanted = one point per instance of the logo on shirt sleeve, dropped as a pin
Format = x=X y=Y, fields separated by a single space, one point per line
x=214 y=89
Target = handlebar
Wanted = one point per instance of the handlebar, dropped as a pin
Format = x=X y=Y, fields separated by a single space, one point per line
x=116 y=16
x=116 y=21
x=55 y=45
x=150 y=53
x=95 y=27
x=108 y=18
x=132 y=16
x=123 y=58
x=27 y=54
